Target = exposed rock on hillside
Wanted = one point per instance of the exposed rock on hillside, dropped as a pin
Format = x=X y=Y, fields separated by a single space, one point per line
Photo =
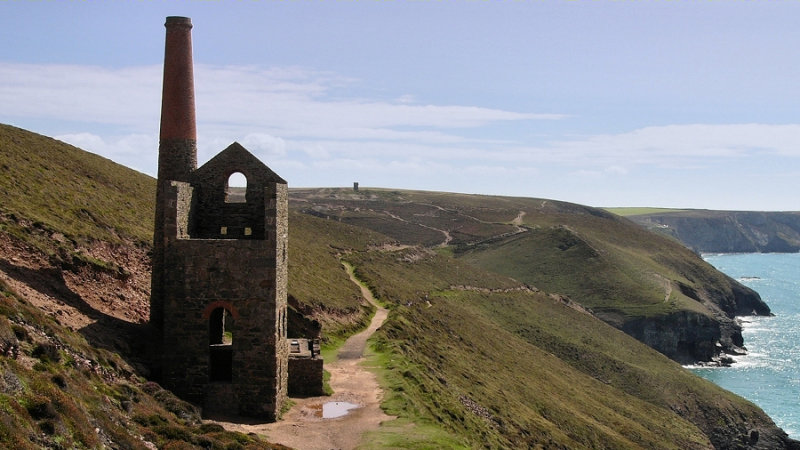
x=60 y=384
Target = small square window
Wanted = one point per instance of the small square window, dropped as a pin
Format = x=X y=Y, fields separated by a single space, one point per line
x=248 y=231
x=223 y=230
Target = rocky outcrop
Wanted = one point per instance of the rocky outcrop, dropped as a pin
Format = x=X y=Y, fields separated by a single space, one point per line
x=707 y=231
x=742 y=301
x=690 y=337
x=685 y=336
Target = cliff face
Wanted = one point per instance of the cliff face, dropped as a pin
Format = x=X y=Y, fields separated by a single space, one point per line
x=688 y=337
x=728 y=231
x=685 y=337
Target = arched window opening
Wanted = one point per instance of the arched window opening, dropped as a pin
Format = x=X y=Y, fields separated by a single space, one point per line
x=236 y=188
x=220 y=345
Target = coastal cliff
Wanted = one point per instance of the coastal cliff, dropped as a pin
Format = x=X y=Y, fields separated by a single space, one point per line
x=706 y=231
x=647 y=285
x=708 y=335
x=689 y=337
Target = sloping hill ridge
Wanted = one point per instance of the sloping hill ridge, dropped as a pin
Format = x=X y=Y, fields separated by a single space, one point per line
x=706 y=231
x=649 y=286
x=487 y=359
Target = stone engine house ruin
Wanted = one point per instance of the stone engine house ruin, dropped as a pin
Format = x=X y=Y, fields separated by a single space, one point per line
x=219 y=284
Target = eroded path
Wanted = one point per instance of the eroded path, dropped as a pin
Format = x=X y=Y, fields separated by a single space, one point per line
x=303 y=426
x=447 y=236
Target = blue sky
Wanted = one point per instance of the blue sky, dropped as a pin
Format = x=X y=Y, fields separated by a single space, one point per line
x=606 y=103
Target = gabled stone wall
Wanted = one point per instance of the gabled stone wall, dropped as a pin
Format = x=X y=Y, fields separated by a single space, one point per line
x=246 y=278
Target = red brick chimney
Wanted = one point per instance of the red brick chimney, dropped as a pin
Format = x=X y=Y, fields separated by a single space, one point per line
x=177 y=152
x=178 y=139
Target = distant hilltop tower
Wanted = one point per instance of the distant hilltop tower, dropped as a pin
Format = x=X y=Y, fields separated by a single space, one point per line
x=218 y=302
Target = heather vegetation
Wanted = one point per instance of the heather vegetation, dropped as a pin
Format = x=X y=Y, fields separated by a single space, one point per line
x=623 y=273
x=52 y=188
x=494 y=336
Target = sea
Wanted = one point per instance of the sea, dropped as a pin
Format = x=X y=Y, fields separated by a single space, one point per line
x=769 y=374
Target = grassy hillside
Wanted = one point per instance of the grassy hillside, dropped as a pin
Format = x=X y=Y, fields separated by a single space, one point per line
x=650 y=286
x=319 y=287
x=55 y=187
x=467 y=349
x=515 y=368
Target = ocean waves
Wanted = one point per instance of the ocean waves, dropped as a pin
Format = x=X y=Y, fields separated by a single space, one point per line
x=769 y=374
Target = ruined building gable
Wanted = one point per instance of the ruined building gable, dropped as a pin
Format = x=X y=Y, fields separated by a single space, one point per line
x=235 y=155
x=224 y=212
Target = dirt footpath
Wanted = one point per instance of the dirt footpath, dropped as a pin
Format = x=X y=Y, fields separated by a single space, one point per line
x=303 y=426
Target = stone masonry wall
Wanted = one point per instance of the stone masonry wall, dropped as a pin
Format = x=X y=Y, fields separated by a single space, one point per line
x=305 y=377
x=277 y=199
x=246 y=277
x=213 y=211
x=180 y=153
x=240 y=277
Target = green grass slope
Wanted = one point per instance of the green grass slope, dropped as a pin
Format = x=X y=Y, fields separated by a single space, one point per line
x=504 y=366
x=650 y=286
x=319 y=287
x=54 y=186
x=467 y=350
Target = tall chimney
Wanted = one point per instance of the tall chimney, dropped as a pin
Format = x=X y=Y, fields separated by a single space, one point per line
x=177 y=155
x=177 y=151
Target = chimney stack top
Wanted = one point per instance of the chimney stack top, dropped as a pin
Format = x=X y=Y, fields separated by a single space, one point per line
x=178 y=21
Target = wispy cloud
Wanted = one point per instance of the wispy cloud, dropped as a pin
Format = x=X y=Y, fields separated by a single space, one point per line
x=132 y=150
x=307 y=124
x=670 y=146
x=293 y=101
x=89 y=94
x=271 y=110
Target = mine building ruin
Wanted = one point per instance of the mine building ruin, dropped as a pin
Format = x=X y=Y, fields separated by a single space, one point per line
x=219 y=283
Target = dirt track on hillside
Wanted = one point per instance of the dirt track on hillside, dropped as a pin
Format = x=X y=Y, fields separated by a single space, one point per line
x=303 y=427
